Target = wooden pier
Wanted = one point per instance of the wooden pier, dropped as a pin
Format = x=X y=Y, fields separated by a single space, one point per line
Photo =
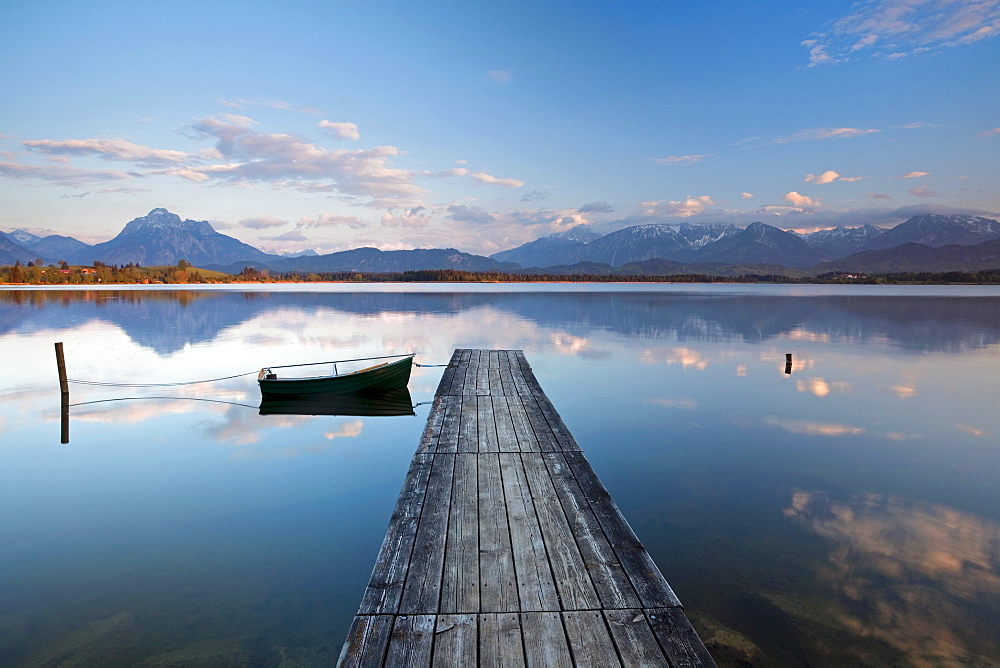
x=504 y=547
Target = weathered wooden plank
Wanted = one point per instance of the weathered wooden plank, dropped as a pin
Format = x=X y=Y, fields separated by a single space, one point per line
x=559 y=429
x=422 y=591
x=432 y=430
x=460 y=378
x=483 y=371
x=648 y=582
x=517 y=372
x=678 y=639
x=634 y=639
x=486 y=418
x=472 y=374
x=498 y=586
x=451 y=423
x=610 y=581
x=544 y=640
x=526 y=441
x=535 y=586
x=576 y=592
x=456 y=641
x=506 y=436
x=500 y=641
x=468 y=436
x=460 y=584
x=411 y=641
x=589 y=639
x=448 y=376
x=366 y=641
x=496 y=384
x=546 y=439
x=385 y=586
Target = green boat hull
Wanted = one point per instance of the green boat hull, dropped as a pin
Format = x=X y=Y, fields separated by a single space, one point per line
x=391 y=376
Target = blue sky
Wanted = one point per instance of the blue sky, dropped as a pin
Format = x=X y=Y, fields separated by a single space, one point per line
x=481 y=126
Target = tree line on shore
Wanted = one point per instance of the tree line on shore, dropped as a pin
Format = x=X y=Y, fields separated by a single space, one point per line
x=184 y=273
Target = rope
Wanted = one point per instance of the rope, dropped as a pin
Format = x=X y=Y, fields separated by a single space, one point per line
x=239 y=375
x=214 y=401
x=189 y=382
x=359 y=359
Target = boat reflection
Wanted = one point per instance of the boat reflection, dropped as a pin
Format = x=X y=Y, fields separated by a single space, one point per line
x=386 y=403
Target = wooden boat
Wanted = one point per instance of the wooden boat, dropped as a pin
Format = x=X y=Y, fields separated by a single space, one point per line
x=372 y=403
x=383 y=376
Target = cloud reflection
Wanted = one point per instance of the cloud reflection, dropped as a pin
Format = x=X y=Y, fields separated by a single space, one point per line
x=683 y=403
x=812 y=428
x=820 y=387
x=917 y=576
x=688 y=358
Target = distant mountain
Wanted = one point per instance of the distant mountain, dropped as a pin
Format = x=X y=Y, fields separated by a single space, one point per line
x=12 y=252
x=373 y=260
x=57 y=246
x=630 y=244
x=541 y=251
x=842 y=241
x=762 y=244
x=23 y=238
x=645 y=242
x=307 y=252
x=162 y=238
x=936 y=231
x=914 y=257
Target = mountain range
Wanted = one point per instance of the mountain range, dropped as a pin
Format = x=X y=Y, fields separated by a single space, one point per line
x=922 y=243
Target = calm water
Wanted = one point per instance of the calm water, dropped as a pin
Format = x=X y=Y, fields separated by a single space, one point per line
x=848 y=512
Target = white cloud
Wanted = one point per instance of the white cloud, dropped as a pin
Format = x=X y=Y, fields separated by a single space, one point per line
x=851 y=179
x=333 y=220
x=470 y=214
x=288 y=161
x=689 y=207
x=500 y=76
x=682 y=159
x=107 y=149
x=923 y=191
x=828 y=176
x=988 y=133
x=341 y=130
x=895 y=29
x=815 y=134
x=799 y=200
x=483 y=177
x=746 y=195
x=241 y=103
x=62 y=175
x=914 y=175
x=414 y=217
x=262 y=222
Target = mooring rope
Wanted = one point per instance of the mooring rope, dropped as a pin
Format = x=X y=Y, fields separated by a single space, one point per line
x=213 y=401
x=239 y=375
x=189 y=382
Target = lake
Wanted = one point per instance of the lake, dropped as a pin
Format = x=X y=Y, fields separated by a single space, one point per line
x=847 y=512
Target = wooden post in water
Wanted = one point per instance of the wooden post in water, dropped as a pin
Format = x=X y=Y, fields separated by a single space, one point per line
x=64 y=392
x=788 y=363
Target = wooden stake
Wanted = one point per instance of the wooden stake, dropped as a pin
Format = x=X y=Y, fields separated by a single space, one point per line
x=64 y=392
